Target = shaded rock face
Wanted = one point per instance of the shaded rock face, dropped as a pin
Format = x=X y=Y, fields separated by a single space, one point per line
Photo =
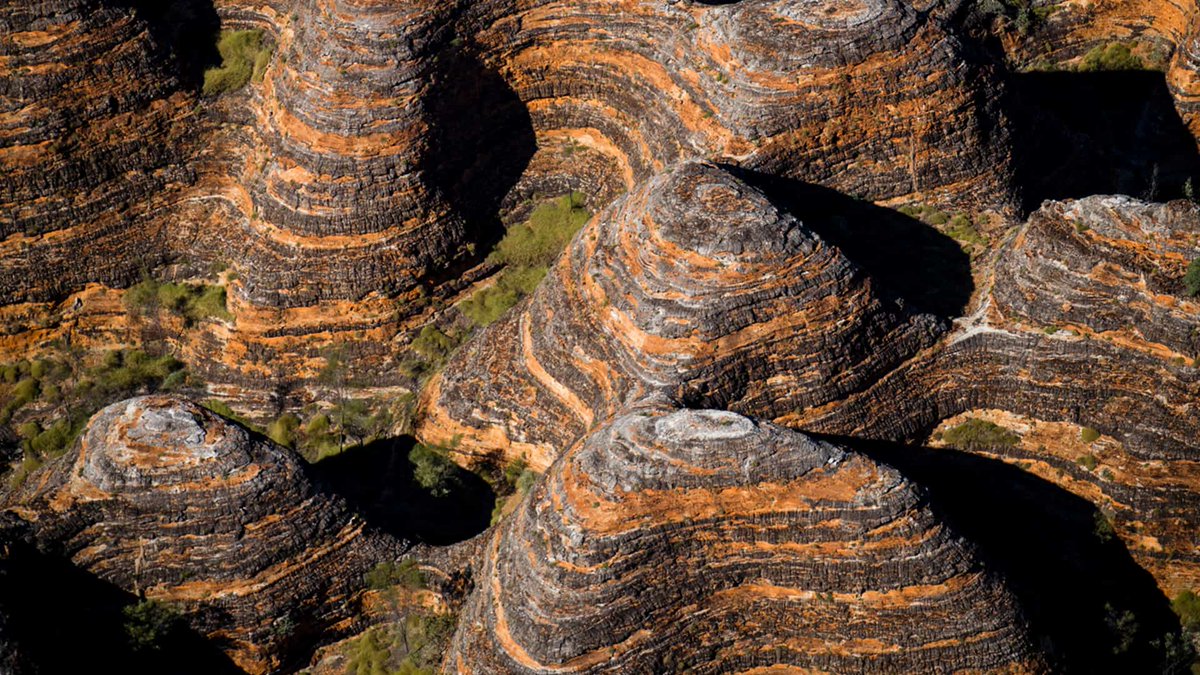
x=705 y=540
x=165 y=498
x=93 y=137
x=694 y=285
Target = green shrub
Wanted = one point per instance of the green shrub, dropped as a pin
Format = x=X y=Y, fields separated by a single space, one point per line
x=1088 y=462
x=1191 y=279
x=1186 y=605
x=406 y=573
x=1088 y=435
x=433 y=344
x=489 y=304
x=1103 y=527
x=432 y=470
x=149 y=623
x=1113 y=56
x=29 y=430
x=283 y=430
x=977 y=434
x=194 y=302
x=539 y=240
x=56 y=439
x=243 y=57
x=962 y=229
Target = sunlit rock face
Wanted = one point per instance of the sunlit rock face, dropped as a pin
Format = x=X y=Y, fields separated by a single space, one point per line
x=705 y=540
x=694 y=285
x=163 y=497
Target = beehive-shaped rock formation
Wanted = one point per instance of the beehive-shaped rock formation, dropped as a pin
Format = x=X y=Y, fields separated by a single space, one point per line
x=694 y=285
x=163 y=497
x=705 y=541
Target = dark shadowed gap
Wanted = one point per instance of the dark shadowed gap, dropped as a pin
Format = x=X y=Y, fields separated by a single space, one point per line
x=1083 y=133
x=61 y=619
x=908 y=258
x=482 y=139
x=1043 y=539
x=186 y=29
x=377 y=480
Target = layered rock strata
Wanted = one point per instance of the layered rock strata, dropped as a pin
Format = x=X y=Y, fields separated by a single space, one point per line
x=704 y=540
x=1086 y=324
x=164 y=498
x=693 y=285
x=92 y=140
x=853 y=96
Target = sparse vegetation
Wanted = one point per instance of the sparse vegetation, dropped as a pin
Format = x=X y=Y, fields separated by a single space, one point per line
x=243 y=57
x=413 y=647
x=1088 y=435
x=1191 y=279
x=193 y=302
x=518 y=480
x=961 y=227
x=527 y=250
x=1103 y=527
x=405 y=573
x=977 y=434
x=1088 y=462
x=1112 y=56
x=149 y=623
x=1186 y=605
x=432 y=469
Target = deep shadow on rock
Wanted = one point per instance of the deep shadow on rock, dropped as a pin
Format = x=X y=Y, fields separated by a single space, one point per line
x=65 y=620
x=907 y=257
x=483 y=139
x=1043 y=539
x=186 y=29
x=1079 y=134
x=377 y=480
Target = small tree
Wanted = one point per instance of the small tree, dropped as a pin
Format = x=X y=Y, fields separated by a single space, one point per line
x=148 y=624
x=1191 y=280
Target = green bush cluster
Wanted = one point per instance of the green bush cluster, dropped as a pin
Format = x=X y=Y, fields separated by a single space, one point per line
x=489 y=304
x=1088 y=462
x=1113 y=56
x=414 y=647
x=243 y=57
x=527 y=250
x=1088 y=435
x=1186 y=605
x=149 y=623
x=1191 y=279
x=977 y=434
x=432 y=469
x=66 y=384
x=194 y=302
x=959 y=227
x=518 y=480
x=405 y=573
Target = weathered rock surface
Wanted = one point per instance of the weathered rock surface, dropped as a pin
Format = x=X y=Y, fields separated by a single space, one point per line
x=1086 y=324
x=707 y=541
x=163 y=497
x=92 y=130
x=694 y=285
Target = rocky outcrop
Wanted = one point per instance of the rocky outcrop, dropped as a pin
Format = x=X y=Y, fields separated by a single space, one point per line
x=694 y=285
x=164 y=498
x=1086 y=324
x=707 y=541
x=853 y=97
x=92 y=123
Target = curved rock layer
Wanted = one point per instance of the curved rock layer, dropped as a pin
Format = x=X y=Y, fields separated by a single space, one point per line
x=1086 y=324
x=694 y=285
x=92 y=141
x=706 y=541
x=873 y=97
x=165 y=498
